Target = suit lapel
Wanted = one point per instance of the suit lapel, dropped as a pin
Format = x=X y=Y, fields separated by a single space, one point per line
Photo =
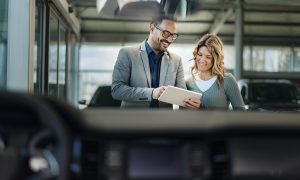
x=164 y=68
x=145 y=60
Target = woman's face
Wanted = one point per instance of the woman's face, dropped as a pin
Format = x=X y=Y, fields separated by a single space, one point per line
x=204 y=60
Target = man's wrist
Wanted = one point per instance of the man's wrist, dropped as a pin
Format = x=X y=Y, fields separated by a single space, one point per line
x=152 y=94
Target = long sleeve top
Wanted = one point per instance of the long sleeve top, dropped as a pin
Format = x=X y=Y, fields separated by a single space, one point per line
x=219 y=97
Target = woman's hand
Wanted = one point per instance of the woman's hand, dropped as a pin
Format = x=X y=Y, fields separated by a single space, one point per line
x=192 y=103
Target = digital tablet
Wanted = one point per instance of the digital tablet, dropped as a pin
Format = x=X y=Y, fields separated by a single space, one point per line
x=175 y=95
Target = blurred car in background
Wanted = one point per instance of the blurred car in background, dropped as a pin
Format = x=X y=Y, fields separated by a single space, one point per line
x=270 y=95
x=101 y=98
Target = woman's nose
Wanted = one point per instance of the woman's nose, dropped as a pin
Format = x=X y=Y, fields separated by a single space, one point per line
x=200 y=59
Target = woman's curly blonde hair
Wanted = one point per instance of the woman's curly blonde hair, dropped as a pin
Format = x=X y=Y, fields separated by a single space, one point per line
x=215 y=46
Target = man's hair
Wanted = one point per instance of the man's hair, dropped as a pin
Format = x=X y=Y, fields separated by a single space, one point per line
x=159 y=19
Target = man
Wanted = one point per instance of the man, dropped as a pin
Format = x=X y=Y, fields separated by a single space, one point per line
x=142 y=72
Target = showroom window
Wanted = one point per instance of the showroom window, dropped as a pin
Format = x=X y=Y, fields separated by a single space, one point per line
x=3 y=42
x=271 y=59
x=297 y=59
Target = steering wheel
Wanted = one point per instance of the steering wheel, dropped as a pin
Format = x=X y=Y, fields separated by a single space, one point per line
x=22 y=107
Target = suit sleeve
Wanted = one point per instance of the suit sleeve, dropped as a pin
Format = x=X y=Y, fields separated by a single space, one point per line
x=121 y=90
x=180 y=81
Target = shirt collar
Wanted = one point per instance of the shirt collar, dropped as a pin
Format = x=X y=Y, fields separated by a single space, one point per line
x=148 y=48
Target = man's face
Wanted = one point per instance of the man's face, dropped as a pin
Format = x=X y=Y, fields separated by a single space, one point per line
x=166 y=28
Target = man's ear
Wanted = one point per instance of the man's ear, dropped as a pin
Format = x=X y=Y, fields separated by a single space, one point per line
x=152 y=27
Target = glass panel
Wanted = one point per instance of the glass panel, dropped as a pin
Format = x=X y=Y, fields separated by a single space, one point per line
x=271 y=59
x=258 y=59
x=37 y=79
x=247 y=58
x=96 y=66
x=285 y=59
x=53 y=47
x=90 y=81
x=297 y=59
x=62 y=62
x=3 y=42
x=229 y=57
x=93 y=57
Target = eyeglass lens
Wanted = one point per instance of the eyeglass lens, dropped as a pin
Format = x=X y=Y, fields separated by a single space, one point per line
x=167 y=34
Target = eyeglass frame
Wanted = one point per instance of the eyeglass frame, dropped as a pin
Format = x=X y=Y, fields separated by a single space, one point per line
x=164 y=31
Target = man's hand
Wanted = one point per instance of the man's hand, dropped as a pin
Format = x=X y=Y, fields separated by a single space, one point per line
x=192 y=103
x=158 y=91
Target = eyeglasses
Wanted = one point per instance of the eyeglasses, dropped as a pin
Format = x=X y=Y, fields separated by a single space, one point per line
x=167 y=34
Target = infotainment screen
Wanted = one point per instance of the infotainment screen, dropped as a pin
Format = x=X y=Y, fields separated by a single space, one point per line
x=159 y=162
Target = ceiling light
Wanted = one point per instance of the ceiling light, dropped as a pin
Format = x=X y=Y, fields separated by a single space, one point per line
x=124 y=2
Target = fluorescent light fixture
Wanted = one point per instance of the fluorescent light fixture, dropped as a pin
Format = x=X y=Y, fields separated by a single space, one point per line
x=121 y=3
x=110 y=8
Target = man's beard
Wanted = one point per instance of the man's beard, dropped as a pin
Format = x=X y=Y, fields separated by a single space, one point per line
x=161 y=44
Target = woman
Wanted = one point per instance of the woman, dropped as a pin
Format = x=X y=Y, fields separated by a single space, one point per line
x=218 y=88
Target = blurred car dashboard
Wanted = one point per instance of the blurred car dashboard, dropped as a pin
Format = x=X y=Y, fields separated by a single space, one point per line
x=143 y=144
x=191 y=145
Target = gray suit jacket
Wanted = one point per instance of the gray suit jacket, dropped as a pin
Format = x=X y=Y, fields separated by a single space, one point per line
x=131 y=80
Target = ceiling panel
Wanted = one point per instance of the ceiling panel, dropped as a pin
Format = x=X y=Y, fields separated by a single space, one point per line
x=269 y=18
